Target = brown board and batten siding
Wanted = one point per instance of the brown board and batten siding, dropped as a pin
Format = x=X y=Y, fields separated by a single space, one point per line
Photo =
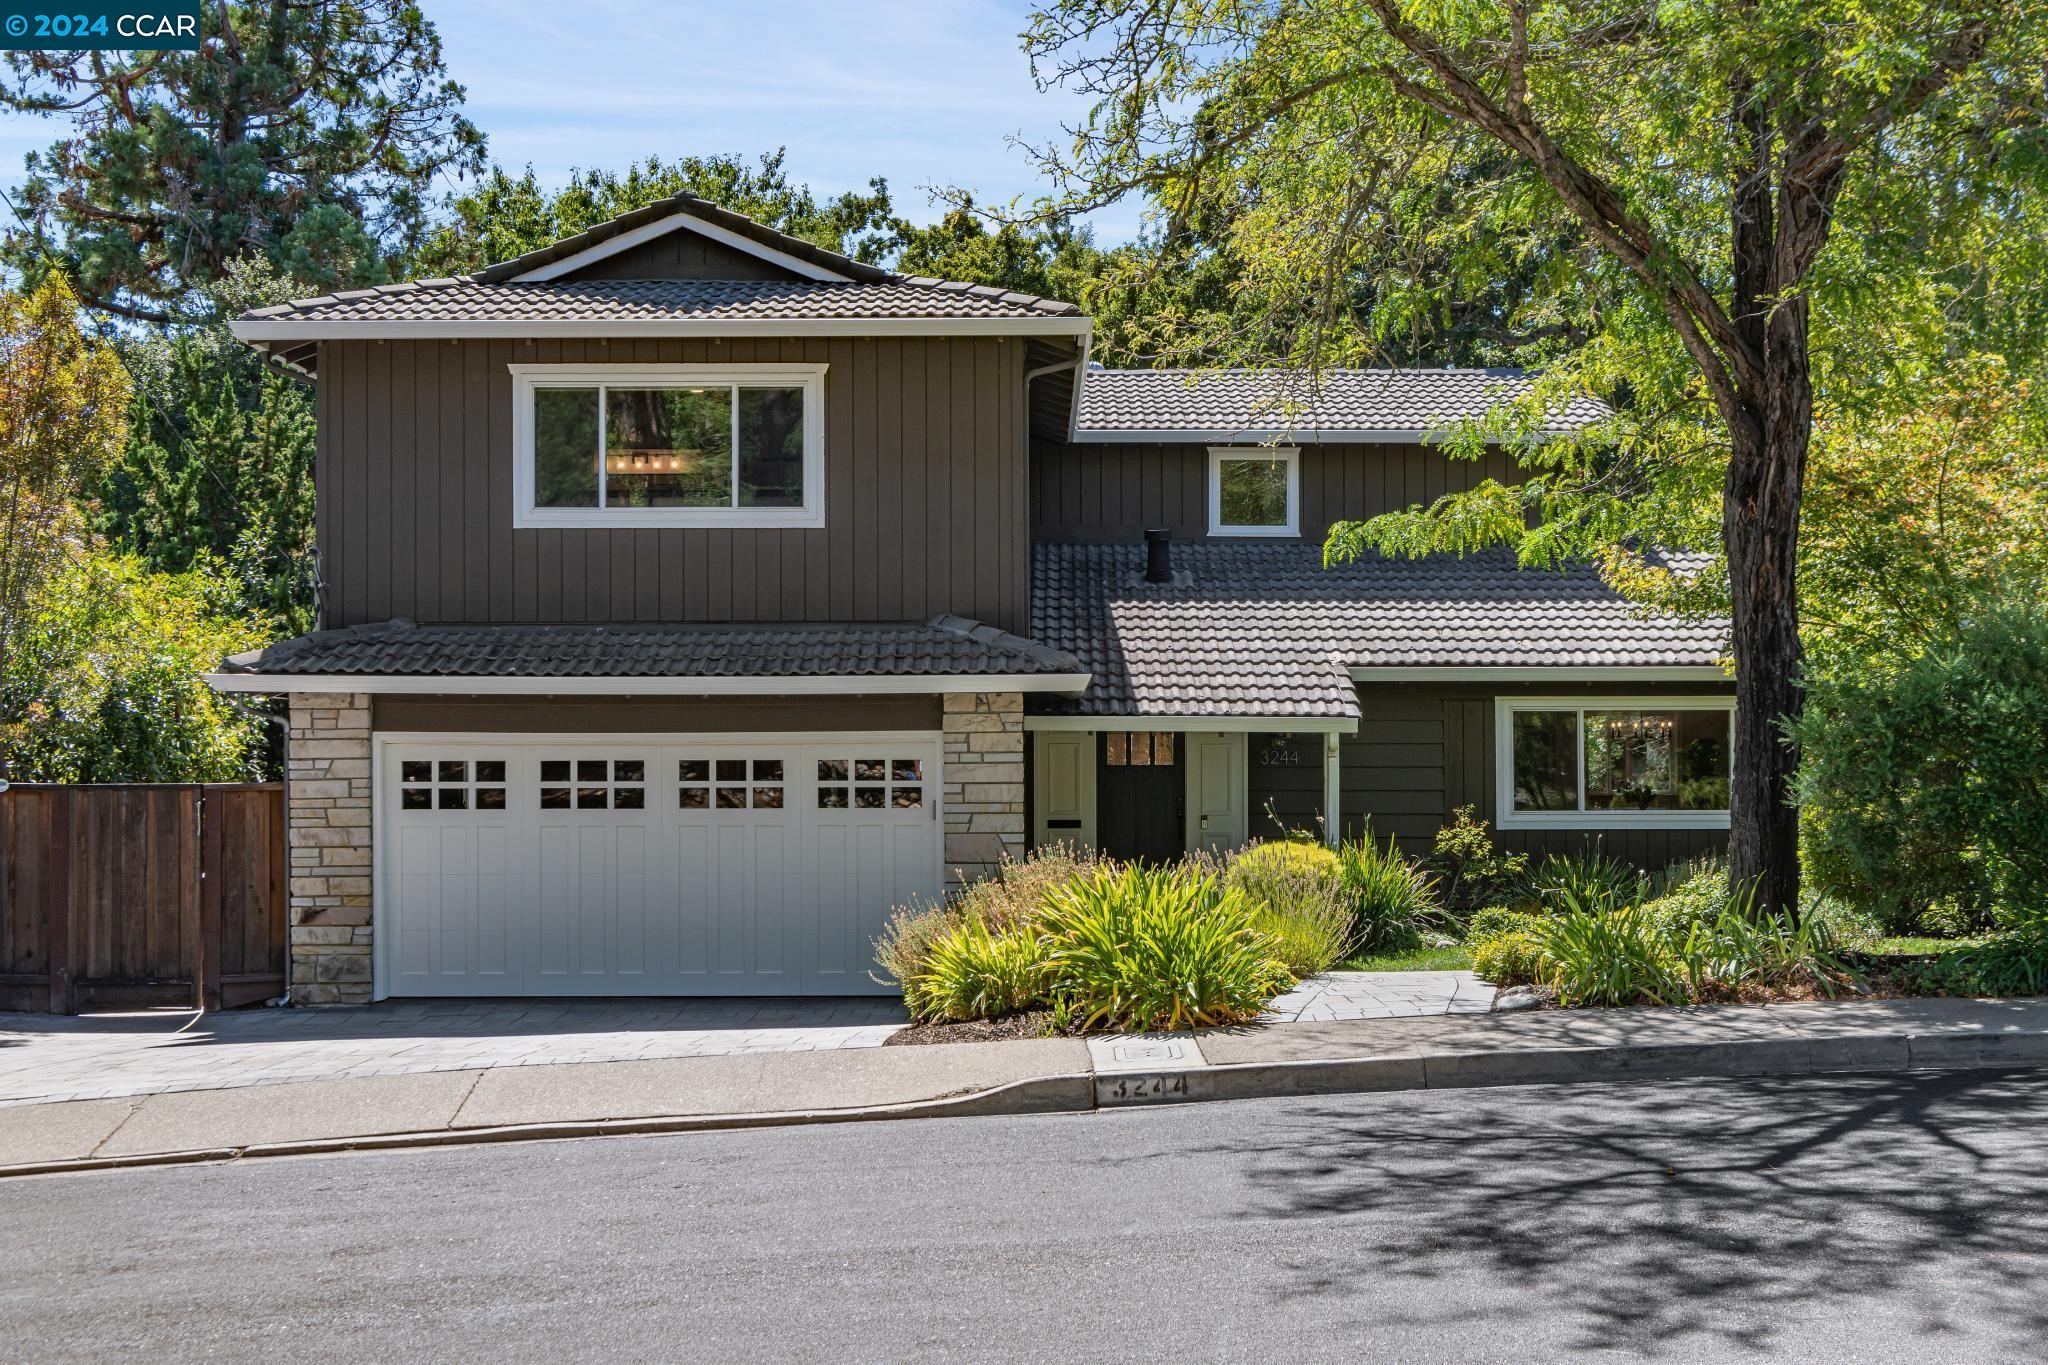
x=1424 y=749
x=1284 y=785
x=1110 y=490
x=926 y=485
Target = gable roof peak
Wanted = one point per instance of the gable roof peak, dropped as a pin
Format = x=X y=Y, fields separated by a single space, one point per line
x=680 y=210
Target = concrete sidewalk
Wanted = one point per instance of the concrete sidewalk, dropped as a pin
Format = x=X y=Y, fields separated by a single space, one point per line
x=1040 y=1075
x=44 y=1058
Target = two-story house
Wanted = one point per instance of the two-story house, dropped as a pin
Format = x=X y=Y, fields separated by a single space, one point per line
x=694 y=595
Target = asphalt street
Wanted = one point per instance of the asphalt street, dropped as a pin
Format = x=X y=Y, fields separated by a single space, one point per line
x=1864 y=1218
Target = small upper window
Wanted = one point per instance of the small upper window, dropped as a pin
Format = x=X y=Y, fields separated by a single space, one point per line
x=671 y=445
x=1598 y=763
x=1254 y=491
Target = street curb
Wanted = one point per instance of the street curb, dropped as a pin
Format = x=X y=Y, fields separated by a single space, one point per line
x=1080 y=1092
x=1795 y=1056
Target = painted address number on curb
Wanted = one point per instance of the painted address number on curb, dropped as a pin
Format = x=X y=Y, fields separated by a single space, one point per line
x=1142 y=1088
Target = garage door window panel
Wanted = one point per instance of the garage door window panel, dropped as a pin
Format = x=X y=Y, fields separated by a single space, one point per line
x=452 y=784
x=593 y=784
x=729 y=784
x=881 y=783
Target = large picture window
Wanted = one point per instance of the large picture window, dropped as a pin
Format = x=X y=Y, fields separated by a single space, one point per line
x=675 y=445
x=1601 y=762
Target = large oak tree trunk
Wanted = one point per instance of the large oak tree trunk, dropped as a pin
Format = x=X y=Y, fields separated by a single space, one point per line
x=1760 y=524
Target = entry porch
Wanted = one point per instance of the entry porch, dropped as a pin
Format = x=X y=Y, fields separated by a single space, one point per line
x=1153 y=788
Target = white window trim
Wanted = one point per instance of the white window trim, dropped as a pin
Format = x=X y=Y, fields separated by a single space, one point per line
x=1507 y=817
x=1288 y=455
x=527 y=378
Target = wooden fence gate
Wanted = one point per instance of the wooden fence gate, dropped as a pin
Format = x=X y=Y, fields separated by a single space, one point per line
x=141 y=895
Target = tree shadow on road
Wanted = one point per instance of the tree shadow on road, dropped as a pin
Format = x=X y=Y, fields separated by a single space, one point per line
x=1713 y=1213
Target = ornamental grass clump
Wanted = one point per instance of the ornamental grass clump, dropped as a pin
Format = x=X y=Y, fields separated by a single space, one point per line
x=1393 y=902
x=1587 y=880
x=971 y=970
x=1635 y=956
x=1140 y=948
x=1299 y=889
x=1608 y=957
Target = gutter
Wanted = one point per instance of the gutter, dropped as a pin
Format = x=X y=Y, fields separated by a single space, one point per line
x=1070 y=684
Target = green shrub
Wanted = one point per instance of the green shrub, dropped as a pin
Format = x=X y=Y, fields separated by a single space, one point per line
x=1741 y=948
x=1288 y=855
x=1925 y=780
x=1498 y=919
x=1609 y=957
x=2010 y=964
x=1299 y=890
x=1014 y=894
x=973 y=971
x=1632 y=956
x=1156 y=948
x=1512 y=957
x=1470 y=871
x=1393 y=902
x=1700 y=897
x=1010 y=899
x=1587 y=880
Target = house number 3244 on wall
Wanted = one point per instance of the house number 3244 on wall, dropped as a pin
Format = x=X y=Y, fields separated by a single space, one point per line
x=1280 y=753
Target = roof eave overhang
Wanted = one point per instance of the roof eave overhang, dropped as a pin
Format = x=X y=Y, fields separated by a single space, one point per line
x=1297 y=725
x=260 y=330
x=1289 y=436
x=1542 y=673
x=1069 y=684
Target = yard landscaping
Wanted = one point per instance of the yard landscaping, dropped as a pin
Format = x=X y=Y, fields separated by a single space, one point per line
x=1067 y=942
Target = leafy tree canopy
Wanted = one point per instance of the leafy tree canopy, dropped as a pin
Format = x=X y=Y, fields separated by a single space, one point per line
x=219 y=460
x=307 y=134
x=1725 y=217
x=63 y=398
x=1917 y=522
x=106 y=683
x=504 y=216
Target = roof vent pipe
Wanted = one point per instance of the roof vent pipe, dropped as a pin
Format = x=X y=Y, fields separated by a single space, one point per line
x=1159 y=556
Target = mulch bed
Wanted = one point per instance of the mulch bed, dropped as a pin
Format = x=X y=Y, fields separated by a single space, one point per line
x=1037 y=1024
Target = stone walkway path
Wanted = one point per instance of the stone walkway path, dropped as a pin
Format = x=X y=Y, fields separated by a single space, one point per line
x=108 y=1056
x=1382 y=995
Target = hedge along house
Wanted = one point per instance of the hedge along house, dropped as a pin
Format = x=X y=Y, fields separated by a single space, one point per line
x=695 y=595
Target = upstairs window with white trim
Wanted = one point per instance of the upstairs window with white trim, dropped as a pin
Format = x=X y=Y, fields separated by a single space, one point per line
x=1254 y=491
x=668 y=445
x=1606 y=762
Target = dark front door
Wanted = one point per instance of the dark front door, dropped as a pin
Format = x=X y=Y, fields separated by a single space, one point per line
x=1140 y=786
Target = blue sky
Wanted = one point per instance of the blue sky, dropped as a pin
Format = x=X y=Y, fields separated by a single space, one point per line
x=921 y=91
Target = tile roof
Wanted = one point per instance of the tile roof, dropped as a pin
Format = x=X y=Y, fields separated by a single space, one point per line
x=637 y=301
x=945 y=645
x=1221 y=404
x=1264 y=629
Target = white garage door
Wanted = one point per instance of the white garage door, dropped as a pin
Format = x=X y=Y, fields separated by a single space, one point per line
x=613 y=866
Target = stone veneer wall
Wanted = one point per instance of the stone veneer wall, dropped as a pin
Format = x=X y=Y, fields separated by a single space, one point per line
x=984 y=786
x=328 y=771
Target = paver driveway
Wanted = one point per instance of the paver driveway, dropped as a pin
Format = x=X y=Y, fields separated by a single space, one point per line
x=94 y=1056
x=105 y=1056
